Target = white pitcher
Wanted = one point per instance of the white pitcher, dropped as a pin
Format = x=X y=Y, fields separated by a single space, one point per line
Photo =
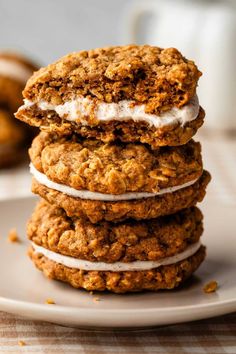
x=204 y=31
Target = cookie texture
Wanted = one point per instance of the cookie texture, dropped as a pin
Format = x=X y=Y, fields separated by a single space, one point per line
x=147 y=208
x=165 y=277
x=125 y=131
x=114 y=168
x=160 y=78
x=149 y=240
x=116 y=120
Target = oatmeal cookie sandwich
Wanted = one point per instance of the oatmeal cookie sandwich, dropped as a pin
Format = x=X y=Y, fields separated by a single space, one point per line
x=117 y=169
x=130 y=93
x=123 y=257
x=100 y=181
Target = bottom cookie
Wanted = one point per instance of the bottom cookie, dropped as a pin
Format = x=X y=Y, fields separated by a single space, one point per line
x=163 y=277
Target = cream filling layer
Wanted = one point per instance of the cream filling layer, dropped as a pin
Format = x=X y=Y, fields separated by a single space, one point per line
x=85 y=194
x=76 y=263
x=81 y=107
x=14 y=70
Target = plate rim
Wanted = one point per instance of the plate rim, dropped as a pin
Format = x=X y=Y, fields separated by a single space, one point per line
x=114 y=319
x=72 y=309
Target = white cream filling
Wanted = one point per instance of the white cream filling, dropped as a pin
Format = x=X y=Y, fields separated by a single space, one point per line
x=85 y=194
x=72 y=262
x=81 y=107
x=14 y=70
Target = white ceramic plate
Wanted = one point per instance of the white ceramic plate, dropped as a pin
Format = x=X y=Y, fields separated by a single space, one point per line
x=23 y=289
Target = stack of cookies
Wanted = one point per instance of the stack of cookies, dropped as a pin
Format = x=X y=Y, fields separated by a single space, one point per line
x=14 y=135
x=117 y=169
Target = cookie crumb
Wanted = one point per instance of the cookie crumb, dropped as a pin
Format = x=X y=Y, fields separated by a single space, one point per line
x=13 y=236
x=96 y=299
x=21 y=343
x=210 y=287
x=50 y=301
x=91 y=292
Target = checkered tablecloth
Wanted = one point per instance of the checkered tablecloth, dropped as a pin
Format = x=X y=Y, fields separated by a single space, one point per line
x=214 y=336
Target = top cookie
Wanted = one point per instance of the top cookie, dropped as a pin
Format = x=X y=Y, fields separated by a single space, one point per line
x=133 y=93
x=161 y=78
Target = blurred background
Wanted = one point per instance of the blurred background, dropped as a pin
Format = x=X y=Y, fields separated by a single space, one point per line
x=49 y=29
x=203 y=30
